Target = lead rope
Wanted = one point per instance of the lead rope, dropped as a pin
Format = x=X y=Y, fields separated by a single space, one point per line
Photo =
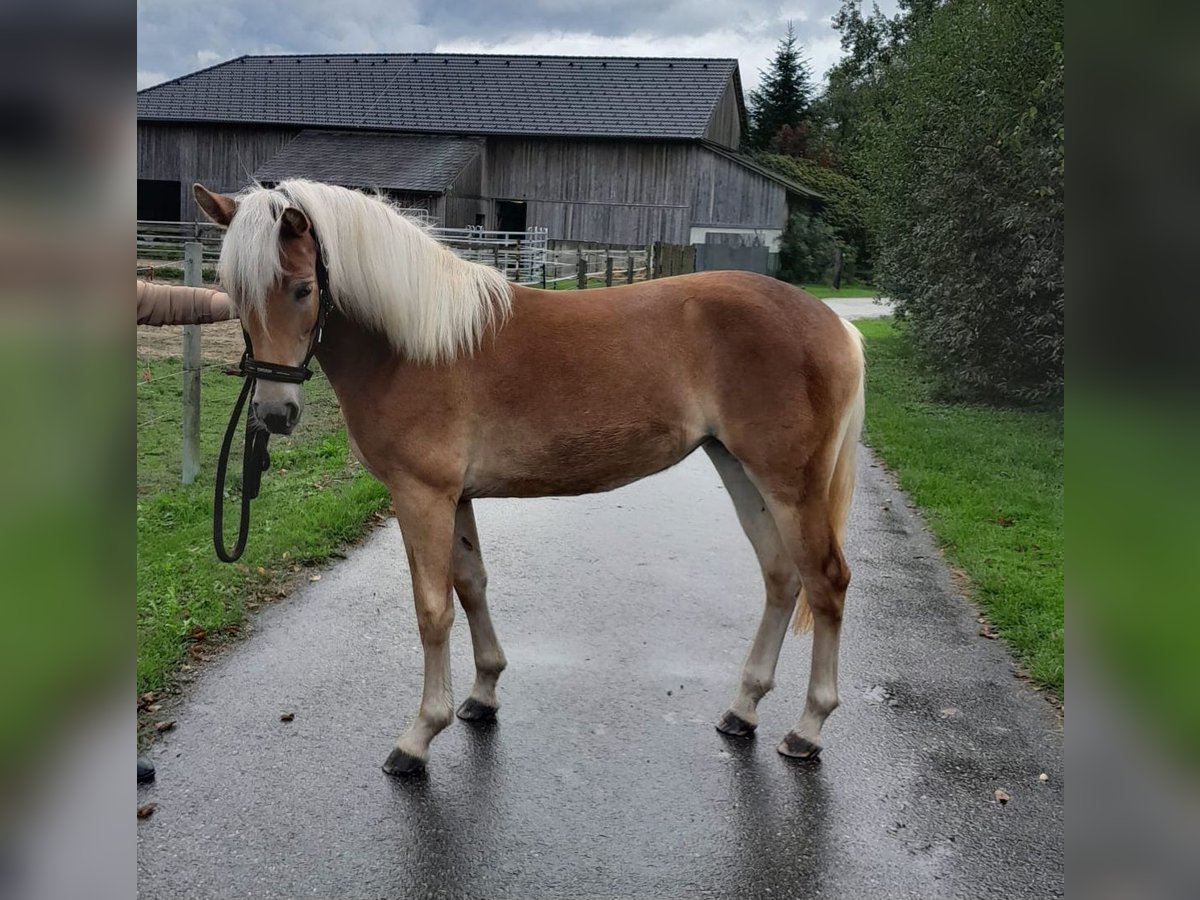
x=255 y=461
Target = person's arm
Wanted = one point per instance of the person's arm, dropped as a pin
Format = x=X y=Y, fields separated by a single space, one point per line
x=172 y=304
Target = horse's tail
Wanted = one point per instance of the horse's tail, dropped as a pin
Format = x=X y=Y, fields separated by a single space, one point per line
x=841 y=482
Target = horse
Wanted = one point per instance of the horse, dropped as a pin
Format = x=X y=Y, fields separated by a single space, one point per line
x=456 y=384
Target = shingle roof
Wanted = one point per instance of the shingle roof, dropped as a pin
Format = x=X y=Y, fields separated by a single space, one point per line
x=412 y=162
x=453 y=93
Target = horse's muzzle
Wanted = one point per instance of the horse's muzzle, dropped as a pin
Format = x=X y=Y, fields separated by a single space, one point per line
x=279 y=416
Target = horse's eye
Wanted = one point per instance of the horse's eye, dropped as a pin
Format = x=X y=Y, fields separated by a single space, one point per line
x=303 y=291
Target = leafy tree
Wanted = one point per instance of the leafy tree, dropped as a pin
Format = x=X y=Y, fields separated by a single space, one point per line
x=853 y=84
x=784 y=98
x=806 y=249
x=844 y=209
x=964 y=164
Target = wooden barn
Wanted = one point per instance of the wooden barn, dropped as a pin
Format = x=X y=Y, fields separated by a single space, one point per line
x=612 y=150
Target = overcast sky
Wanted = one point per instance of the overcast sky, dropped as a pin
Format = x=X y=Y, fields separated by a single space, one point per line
x=180 y=36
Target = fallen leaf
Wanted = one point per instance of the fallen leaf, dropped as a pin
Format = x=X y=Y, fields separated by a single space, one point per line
x=1004 y=521
x=146 y=375
x=197 y=633
x=146 y=810
x=1043 y=777
x=314 y=577
x=949 y=712
x=154 y=707
x=164 y=726
x=1002 y=796
x=262 y=571
x=146 y=699
x=287 y=717
x=986 y=631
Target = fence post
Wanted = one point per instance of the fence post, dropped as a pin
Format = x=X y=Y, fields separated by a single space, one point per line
x=629 y=268
x=543 y=276
x=193 y=276
x=608 y=267
x=580 y=270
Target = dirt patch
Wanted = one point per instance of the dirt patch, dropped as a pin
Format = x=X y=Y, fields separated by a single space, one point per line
x=219 y=342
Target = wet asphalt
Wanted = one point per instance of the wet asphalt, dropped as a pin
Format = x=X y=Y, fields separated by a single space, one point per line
x=625 y=618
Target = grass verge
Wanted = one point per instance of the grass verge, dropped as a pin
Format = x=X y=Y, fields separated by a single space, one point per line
x=826 y=292
x=990 y=483
x=314 y=499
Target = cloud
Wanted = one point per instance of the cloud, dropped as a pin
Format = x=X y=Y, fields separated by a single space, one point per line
x=179 y=37
x=147 y=79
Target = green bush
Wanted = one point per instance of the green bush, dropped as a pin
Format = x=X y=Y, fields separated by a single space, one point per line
x=807 y=248
x=844 y=209
x=963 y=160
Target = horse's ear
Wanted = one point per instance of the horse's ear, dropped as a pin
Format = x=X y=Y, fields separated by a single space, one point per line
x=293 y=223
x=217 y=207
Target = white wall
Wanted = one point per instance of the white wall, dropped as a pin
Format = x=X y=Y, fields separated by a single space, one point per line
x=768 y=236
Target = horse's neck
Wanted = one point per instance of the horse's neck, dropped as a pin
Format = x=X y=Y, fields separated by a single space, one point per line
x=352 y=356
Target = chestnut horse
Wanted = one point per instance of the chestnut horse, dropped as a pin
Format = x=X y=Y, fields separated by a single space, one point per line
x=456 y=384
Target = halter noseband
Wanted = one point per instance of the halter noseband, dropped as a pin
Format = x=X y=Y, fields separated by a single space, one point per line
x=255 y=459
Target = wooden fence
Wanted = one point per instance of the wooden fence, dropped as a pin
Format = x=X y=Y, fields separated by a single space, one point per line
x=581 y=266
x=519 y=255
x=673 y=259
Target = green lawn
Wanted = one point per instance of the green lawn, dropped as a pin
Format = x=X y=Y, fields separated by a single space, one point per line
x=990 y=484
x=825 y=292
x=314 y=499
x=573 y=285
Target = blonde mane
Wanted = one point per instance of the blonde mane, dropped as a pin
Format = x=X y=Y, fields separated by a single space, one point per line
x=385 y=271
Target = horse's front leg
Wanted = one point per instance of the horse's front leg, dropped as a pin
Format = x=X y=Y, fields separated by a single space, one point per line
x=470 y=582
x=427 y=523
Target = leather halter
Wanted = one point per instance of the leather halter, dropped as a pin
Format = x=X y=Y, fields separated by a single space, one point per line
x=255 y=459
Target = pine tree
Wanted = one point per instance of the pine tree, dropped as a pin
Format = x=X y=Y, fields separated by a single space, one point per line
x=785 y=96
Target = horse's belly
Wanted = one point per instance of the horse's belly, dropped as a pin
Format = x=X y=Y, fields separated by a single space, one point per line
x=585 y=462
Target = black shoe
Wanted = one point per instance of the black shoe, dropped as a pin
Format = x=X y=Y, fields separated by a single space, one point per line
x=145 y=770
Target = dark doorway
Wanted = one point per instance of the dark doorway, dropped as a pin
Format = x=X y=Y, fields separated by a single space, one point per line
x=510 y=215
x=157 y=201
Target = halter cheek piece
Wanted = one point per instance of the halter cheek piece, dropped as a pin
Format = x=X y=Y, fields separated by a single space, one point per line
x=255 y=459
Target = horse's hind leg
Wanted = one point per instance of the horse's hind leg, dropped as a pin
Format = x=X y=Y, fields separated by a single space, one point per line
x=782 y=582
x=807 y=530
x=470 y=583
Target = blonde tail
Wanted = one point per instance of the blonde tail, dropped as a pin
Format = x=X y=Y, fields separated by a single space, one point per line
x=841 y=483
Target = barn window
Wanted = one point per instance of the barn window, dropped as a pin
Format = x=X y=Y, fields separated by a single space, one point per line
x=510 y=215
x=157 y=200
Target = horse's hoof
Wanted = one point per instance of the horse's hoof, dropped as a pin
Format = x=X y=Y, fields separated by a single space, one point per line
x=798 y=747
x=474 y=711
x=401 y=763
x=734 y=725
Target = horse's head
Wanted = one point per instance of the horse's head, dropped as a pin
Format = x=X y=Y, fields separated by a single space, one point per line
x=269 y=269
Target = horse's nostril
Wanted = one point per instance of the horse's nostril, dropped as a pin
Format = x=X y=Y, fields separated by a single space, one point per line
x=279 y=418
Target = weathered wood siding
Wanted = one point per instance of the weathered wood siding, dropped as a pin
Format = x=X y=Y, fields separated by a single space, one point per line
x=618 y=192
x=606 y=223
x=464 y=198
x=621 y=192
x=726 y=193
x=725 y=126
x=221 y=157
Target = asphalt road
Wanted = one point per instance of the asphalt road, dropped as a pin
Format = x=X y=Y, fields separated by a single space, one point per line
x=625 y=618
